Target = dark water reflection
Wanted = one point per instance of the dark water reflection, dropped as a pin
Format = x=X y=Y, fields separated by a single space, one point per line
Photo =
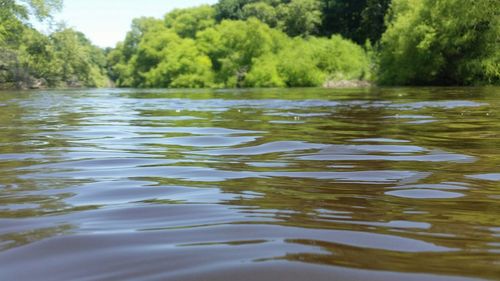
x=385 y=184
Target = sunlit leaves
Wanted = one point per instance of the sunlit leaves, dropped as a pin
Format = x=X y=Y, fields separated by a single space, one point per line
x=441 y=42
x=190 y=50
x=187 y=22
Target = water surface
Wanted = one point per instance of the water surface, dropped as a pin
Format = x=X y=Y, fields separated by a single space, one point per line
x=303 y=184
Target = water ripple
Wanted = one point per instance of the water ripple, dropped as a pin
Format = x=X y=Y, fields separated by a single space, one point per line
x=382 y=184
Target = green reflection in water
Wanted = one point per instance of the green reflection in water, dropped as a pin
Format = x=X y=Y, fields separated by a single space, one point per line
x=416 y=164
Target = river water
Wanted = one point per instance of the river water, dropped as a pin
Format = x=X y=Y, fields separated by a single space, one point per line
x=302 y=184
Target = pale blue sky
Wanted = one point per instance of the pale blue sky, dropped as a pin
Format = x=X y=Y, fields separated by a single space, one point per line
x=106 y=22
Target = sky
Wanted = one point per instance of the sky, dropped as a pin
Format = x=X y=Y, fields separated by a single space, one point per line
x=105 y=22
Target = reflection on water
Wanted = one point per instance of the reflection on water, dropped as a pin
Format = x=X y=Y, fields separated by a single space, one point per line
x=383 y=184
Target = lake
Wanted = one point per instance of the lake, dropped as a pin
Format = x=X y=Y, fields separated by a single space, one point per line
x=292 y=184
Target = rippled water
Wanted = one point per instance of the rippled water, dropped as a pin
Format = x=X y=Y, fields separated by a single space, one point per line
x=384 y=184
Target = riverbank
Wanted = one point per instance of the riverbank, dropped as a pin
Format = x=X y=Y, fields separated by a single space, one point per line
x=39 y=84
x=348 y=84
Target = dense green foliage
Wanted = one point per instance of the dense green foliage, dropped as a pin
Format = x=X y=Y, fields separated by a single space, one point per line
x=264 y=43
x=295 y=17
x=154 y=55
x=293 y=43
x=358 y=20
x=442 y=42
x=190 y=49
x=29 y=58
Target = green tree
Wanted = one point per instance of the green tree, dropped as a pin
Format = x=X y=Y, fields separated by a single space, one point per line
x=265 y=73
x=340 y=59
x=181 y=66
x=441 y=42
x=122 y=60
x=233 y=45
x=81 y=63
x=139 y=28
x=372 y=24
x=149 y=53
x=261 y=11
x=358 y=20
x=23 y=9
x=160 y=58
x=300 y=17
x=15 y=15
x=26 y=53
x=231 y=9
x=187 y=22
x=297 y=66
x=37 y=58
x=295 y=17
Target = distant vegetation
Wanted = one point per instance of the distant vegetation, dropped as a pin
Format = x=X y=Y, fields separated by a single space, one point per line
x=267 y=43
x=30 y=59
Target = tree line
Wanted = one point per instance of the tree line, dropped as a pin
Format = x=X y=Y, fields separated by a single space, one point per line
x=268 y=43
